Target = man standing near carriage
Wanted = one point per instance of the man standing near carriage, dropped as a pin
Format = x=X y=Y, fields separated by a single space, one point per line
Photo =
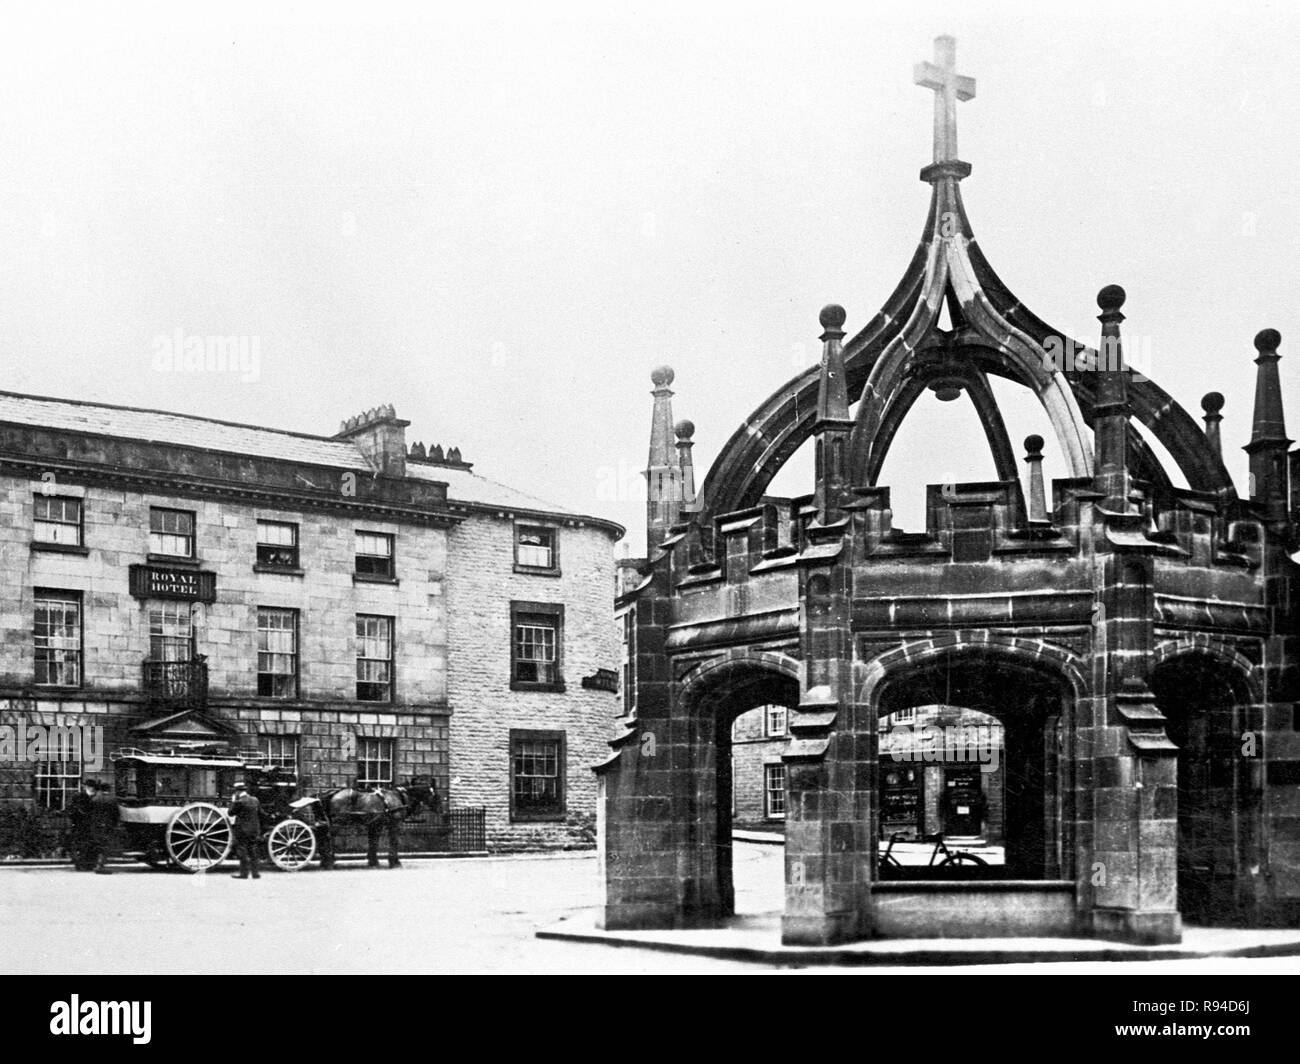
x=82 y=815
x=245 y=812
x=93 y=813
x=104 y=821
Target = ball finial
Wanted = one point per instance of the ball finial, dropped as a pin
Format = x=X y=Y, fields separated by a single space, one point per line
x=1034 y=445
x=1212 y=402
x=1111 y=297
x=661 y=376
x=1267 y=340
x=684 y=429
x=832 y=316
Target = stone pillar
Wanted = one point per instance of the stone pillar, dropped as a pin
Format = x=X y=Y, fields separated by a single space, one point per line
x=663 y=465
x=1212 y=405
x=1110 y=411
x=1037 y=502
x=1130 y=873
x=1277 y=724
x=834 y=425
x=830 y=850
x=643 y=785
x=1269 y=444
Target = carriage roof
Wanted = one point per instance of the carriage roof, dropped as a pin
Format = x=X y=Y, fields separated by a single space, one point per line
x=194 y=760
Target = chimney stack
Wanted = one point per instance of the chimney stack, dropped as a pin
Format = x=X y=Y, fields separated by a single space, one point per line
x=380 y=435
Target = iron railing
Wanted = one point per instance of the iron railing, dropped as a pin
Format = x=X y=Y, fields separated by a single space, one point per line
x=468 y=830
x=451 y=831
x=176 y=685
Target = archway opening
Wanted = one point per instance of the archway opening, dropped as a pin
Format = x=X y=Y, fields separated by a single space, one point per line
x=938 y=442
x=942 y=772
x=759 y=738
x=719 y=701
x=985 y=740
x=1204 y=702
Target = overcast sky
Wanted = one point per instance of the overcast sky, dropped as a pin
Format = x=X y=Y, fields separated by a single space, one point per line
x=500 y=221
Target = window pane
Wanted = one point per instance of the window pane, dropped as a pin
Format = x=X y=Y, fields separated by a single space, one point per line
x=281 y=751
x=176 y=522
x=374 y=554
x=277 y=533
x=171 y=532
x=535 y=775
x=277 y=652
x=774 y=781
x=374 y=543
x=57 y=637
x=375 y=762
x=171 y=632
x=56 y=783
x=57 y=520
x=535 y=547
x=776 y=720
x=277 y=544
x=374 y=658
x=535 y=643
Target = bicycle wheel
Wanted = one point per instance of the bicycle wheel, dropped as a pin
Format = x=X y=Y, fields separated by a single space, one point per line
x=963 y=859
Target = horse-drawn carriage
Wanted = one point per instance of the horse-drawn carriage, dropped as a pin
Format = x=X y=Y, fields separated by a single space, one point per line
x=172 y=807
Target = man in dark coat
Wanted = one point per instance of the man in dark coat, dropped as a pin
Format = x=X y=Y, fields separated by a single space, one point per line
x=82 y=814
x=103 y=821
x=245 y=812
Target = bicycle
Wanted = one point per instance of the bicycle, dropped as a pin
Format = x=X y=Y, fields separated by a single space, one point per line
x=951 y=858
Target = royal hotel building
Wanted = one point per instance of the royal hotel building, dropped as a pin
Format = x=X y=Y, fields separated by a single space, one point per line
x=351 y=605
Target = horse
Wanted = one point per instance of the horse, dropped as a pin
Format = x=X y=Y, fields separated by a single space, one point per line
x=379 y=809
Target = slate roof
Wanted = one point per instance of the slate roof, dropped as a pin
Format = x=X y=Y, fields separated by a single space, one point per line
x=187 y=430
x=182 y=430
x=466 y=486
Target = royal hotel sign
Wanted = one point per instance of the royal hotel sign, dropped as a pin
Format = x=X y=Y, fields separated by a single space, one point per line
x=168 y=582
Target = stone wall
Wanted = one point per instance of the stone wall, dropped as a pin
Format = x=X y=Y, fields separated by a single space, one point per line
x=116 y=626
x=481 y=583
x=324 y=717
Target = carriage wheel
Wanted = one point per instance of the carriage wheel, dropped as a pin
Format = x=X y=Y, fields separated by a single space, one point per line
x=199 y=837
x=291 y=845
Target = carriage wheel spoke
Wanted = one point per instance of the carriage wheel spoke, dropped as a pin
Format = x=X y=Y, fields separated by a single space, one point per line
x=198 y=837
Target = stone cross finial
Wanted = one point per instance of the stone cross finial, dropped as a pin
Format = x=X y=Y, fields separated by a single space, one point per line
x=949 y=87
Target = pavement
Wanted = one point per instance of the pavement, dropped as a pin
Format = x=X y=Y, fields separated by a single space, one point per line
x=475 y=915
x=757 y=939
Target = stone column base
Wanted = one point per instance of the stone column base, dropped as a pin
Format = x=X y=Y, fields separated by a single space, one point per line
x=638 y=916
x=1145 y=928
x=820 y=929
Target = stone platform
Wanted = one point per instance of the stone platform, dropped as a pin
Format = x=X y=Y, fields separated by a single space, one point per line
x=757 y=938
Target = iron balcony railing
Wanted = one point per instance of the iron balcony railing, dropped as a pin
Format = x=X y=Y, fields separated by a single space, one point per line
x=176 y=685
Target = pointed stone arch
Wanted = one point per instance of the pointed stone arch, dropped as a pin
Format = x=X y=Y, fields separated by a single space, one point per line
x=715 y=670
x=1030 y=652
x=1200 y=644
x=950 y=265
